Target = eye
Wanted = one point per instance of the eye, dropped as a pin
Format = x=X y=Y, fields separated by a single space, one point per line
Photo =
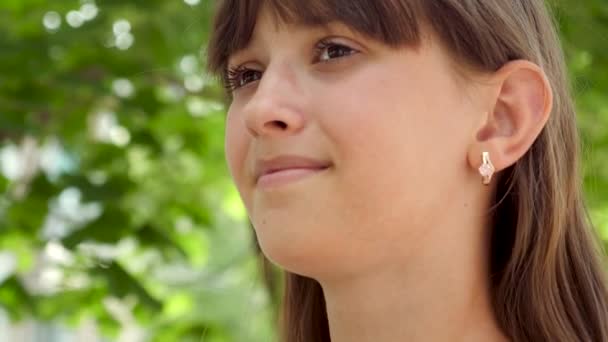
x=327 y=50
x=240 y=76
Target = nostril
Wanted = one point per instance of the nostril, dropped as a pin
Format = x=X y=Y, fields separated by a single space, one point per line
x=280 y=124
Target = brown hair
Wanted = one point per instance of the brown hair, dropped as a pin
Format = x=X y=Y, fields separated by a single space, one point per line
x=547 y=267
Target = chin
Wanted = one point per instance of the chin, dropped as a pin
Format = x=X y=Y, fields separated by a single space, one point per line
x=314 y=256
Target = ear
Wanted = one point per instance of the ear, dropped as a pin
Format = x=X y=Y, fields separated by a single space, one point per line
x=519 y=102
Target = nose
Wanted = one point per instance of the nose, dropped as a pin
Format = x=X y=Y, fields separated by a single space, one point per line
x=274 y=109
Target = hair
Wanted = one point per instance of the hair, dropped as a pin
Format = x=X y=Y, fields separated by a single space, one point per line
x=547 y=264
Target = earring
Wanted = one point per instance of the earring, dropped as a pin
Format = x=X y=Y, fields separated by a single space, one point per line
x=486 y=169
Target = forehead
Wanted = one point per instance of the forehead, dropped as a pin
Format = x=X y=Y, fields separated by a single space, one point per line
x=393 y=22
x=268 y=24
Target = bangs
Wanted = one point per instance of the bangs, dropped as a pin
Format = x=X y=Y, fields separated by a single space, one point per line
x=393 y=22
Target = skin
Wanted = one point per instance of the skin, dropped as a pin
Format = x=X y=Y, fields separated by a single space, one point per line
x=396 y=230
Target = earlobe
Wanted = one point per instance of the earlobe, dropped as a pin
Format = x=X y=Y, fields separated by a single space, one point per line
x=521 y=103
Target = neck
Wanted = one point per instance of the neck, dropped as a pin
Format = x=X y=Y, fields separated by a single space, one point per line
x=437 y=295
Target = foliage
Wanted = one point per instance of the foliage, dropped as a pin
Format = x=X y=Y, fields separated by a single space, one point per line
x=115 y=201
x=122 y=203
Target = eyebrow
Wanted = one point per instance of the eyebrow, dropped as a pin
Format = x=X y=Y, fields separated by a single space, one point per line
x=238 y=52
x=316 y=28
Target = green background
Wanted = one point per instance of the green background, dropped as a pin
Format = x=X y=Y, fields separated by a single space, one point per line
x=114 y=194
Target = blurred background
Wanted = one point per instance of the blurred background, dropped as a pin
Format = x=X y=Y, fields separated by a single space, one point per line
x=118 y=220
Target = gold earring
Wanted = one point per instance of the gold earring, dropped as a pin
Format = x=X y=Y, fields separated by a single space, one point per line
x=486 y=169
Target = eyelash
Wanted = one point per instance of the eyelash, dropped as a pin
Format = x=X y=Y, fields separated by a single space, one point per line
x=233 y=76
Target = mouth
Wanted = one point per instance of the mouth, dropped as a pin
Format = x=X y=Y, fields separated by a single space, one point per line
x=279 y=178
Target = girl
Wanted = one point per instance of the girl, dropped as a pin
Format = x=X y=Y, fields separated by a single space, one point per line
x=412 y=165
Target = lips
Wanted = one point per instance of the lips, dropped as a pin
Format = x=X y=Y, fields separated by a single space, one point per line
x=287 y=162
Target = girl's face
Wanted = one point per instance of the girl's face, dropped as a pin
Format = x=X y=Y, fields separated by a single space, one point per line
x=393 y=124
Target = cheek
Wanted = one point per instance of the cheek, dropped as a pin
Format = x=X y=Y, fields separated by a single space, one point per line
x=236 y=144
x=374 y=153
x=378 y=120
x=394 y=140
x=408 y=115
